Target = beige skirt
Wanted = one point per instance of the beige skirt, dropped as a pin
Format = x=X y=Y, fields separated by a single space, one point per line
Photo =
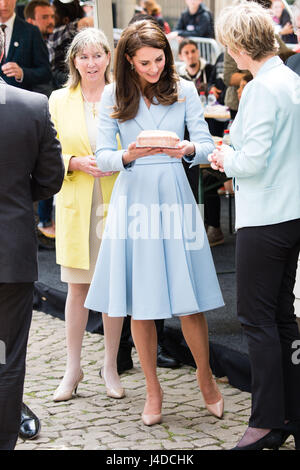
x=84 y=276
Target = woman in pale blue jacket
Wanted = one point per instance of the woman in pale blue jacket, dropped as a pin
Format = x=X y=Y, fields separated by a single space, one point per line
x=155 y=260
x=265 y=163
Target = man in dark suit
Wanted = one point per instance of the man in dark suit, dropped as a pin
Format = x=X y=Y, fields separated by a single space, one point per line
x=25 y=62
x=31 y=169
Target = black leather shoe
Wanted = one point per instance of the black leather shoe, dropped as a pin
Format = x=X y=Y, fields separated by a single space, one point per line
x=30 y=424
x=48 y=246
x=124 y=361
x=123 y=366
x=291 y=429
x=165 y=360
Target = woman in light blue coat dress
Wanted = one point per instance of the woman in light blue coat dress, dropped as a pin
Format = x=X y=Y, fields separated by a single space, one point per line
x=265 y=162
x=155 y=261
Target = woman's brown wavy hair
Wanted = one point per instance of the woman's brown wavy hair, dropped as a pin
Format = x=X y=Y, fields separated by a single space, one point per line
x=134 y=37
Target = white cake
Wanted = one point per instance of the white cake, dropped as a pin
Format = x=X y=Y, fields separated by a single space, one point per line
x=157 y=138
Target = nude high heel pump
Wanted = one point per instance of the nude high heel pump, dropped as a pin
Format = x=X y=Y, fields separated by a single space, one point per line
x=65 y=395
x=217 y=408
x=151 y=419
x=112 y=392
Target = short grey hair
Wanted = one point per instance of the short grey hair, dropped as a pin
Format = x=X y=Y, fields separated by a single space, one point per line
x=248 y=27
x=86 y=37
x=1 y=41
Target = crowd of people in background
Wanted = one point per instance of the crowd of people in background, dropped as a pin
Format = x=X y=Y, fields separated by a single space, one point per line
x=39 y=65
x=283 y=22
x=47 y=52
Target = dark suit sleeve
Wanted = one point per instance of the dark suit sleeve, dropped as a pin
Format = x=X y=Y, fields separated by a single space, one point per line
x=40 y=71
x=48 y=173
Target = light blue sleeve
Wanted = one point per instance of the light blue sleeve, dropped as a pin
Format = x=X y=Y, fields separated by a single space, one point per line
x=108 y=157
x=197 y=127
x=258 y=108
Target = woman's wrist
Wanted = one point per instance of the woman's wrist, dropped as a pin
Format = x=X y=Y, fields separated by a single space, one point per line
x=192 y=153
x=73 y=163
x=126 y=158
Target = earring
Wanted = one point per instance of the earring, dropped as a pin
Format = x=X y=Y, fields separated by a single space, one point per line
x=132 y=66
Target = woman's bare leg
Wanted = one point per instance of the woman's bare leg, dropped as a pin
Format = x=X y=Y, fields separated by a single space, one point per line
x=195 y=332
x=112 y=334
x=76 y=317
x=145 y=339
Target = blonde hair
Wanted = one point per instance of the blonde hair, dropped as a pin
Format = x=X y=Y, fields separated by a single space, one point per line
x=247 y=27
x=88 y=37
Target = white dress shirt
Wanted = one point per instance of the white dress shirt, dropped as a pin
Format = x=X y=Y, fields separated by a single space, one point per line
x=8 y=32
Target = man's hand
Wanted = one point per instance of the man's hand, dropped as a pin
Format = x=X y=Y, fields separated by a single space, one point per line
x=12 y=69
x=287 y=29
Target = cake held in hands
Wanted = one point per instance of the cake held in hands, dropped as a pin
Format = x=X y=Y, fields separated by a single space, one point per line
x=157 y=138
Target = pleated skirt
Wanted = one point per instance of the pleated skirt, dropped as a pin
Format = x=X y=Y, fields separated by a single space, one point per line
x=154 y=261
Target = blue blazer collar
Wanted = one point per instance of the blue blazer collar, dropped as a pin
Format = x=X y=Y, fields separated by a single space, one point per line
x=150 y=118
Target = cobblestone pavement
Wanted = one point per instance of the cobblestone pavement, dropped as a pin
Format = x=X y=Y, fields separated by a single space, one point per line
x=93 y=421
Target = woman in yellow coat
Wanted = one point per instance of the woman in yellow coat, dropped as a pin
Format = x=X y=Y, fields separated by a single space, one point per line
x=80 y=205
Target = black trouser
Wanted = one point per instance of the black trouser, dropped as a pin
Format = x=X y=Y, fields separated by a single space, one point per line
x=266 y=264
x=45 y=209
x=15 y=319
x=212 y=181
x=216 y=128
